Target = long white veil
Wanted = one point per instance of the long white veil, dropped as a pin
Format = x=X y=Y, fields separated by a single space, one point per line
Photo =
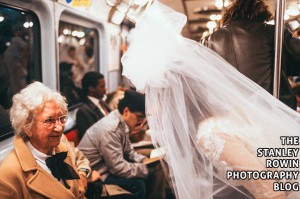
x=208 y=117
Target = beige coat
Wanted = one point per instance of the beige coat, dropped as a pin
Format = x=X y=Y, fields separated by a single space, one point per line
x=22 y=177
x=77 y=157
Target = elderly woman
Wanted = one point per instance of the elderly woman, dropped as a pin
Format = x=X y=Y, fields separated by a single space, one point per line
x=39 y=166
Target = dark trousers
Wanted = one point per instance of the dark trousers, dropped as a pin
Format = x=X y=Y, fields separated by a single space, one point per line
x=136 y=186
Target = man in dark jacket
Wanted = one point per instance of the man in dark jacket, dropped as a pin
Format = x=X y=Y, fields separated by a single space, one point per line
x=93 y=108
x=247 y=43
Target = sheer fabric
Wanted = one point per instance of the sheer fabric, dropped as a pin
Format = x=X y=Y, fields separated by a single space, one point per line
x=207 y=117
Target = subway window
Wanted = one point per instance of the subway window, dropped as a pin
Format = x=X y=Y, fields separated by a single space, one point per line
x=76 y=57
x=19 y=57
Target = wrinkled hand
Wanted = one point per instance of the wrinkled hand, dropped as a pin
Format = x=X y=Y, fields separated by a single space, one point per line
x=95 y=175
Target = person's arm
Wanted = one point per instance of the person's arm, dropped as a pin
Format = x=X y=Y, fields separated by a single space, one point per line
x=292 y=47
x=82 y=165
x=95 y=175
x=112 y=150
x=81 y=161
x=137 y=134
x=84 y=169
x=133 y=156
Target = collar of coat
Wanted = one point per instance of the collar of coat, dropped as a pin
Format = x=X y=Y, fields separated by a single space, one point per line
x=122 y=122
x=40 y=180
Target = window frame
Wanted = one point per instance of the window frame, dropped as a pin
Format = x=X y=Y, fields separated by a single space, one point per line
x=35 y=57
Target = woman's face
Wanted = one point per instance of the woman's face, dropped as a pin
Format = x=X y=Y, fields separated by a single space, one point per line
x=44 y=136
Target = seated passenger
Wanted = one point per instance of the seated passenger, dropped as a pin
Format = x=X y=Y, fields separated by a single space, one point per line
x=107 y=146
x=135 y=135
x=67 y=86
x=39 y=166
x=94 y=108
x=5 y=123
x=296 y=90
x=114 y=97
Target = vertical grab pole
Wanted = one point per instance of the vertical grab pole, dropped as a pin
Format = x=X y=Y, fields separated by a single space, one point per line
x=279 y=27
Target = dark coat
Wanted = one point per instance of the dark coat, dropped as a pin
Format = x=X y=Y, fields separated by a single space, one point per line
x=87 y=115
x=249 y=47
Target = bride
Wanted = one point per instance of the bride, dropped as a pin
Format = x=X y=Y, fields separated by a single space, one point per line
x=211 y=120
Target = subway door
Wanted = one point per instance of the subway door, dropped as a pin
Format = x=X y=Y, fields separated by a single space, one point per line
x=114 y=43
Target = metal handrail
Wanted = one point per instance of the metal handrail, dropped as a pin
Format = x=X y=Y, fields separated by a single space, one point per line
x=279 y=29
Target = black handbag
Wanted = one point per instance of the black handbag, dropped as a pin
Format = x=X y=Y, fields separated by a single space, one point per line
x=94 y=190
x=97 y=190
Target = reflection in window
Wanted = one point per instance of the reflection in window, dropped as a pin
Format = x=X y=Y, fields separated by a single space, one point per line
x=76 y=57
x=19 y=56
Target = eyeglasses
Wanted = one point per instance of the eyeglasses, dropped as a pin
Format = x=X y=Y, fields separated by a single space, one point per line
x=139 y=115
x=51 y=121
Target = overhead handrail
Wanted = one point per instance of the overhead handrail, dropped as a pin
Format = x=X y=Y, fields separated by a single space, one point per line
x=130 y=9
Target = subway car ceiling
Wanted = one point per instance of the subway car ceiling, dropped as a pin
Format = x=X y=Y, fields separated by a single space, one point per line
x=203 y=16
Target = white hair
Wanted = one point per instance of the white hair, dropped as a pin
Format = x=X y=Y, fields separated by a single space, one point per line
x=26 y=103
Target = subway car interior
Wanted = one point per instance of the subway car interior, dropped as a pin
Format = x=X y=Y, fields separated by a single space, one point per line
x=57 y=42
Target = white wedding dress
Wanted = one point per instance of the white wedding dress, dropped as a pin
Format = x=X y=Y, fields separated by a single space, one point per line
x=208 y=117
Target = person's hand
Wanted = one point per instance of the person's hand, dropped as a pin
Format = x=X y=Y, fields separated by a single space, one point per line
x=95 y=175
x=137 y=134
x=83 y=179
